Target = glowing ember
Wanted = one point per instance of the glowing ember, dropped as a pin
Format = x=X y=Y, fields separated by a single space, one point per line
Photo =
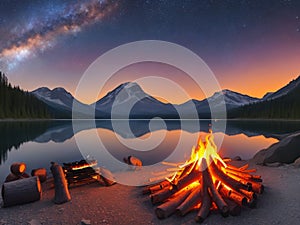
x=205 y=183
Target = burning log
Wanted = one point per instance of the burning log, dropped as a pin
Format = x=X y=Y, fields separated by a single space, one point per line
x=190 y=202
x=156 y=187
x=206 y=182
x=220 y=175
x=62 y=194
x=205 y=203
x=169 y=207
x=249 y=194
x=166 y=192
x=21 y=191
x=233 y=195
x=207 y=179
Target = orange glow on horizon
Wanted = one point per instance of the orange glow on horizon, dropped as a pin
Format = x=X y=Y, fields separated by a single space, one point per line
x=254 y=78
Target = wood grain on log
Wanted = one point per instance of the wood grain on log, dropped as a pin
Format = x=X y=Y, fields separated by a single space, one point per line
x=155 y=187
x=166 y=192
x=217 y=198
x=233 y=195
x=168 y=208
x=190 y=202
x=205 y=203
x=21 y=191
x=220 y=175
x=62 y=194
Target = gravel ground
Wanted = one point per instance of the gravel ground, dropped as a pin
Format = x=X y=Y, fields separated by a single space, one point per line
x=118 y=204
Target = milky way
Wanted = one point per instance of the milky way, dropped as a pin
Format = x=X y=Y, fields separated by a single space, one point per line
x=38 y=35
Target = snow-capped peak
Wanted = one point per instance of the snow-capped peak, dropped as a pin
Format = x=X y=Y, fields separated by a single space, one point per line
x=231 y=98
x=123 y=93
x=57 y=96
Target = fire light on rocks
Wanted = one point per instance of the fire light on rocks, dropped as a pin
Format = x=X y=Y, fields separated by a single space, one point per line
x=206 y=183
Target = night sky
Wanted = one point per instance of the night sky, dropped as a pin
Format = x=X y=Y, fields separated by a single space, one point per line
x=251 y=46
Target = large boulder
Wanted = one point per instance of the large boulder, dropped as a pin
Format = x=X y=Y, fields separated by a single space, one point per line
x=285 y=151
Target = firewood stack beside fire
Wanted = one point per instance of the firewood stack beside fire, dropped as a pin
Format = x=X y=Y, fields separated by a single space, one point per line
x=84 y=172
x=205 y=183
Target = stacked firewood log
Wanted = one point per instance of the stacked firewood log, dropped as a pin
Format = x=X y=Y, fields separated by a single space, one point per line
x=19 y=187
x=211 y=188
x=206 y=183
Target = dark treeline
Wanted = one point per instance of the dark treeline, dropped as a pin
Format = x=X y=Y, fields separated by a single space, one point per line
x=16 y=103
x=284 y=107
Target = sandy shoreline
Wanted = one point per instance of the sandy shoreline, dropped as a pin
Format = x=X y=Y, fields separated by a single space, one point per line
x=121 y=204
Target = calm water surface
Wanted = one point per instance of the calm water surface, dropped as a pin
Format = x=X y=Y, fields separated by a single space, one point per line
x=39 y=143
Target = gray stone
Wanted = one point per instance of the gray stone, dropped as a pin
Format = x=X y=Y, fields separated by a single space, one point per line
x=285 y=151
x=85 y=222
x=34 y=222
x=237 y=158
x=275 y=164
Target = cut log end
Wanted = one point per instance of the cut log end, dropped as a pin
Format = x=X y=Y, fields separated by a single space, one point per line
x=41 y=173
x=160 y=213
x=18 y=168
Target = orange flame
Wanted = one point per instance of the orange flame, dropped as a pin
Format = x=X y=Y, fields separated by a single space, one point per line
x=204 y=149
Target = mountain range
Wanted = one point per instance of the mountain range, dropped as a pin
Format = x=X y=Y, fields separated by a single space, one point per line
x=128 y=100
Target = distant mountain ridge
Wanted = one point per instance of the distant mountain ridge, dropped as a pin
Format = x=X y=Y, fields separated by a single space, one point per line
x=282 y=104
x=129 y=99
x=284 y=90
x=59 y=100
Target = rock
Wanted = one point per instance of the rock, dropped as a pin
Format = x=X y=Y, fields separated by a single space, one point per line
x=275 y=164
x=285 y=151
x=34 y=222
x=297 y=163
x=61 y=210
x=85 y=222
x=237 y=158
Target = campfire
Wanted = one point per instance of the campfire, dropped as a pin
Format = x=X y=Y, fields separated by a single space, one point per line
x=206 y=183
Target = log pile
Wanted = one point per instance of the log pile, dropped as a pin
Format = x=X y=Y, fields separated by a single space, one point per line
x=17 y=172
x=20 y=188
x=205 y=183
x=83 y=172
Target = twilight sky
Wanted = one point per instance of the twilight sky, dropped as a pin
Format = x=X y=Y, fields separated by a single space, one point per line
x=252 y=46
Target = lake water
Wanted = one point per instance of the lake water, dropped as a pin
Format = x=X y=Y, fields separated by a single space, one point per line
x=37 y=143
